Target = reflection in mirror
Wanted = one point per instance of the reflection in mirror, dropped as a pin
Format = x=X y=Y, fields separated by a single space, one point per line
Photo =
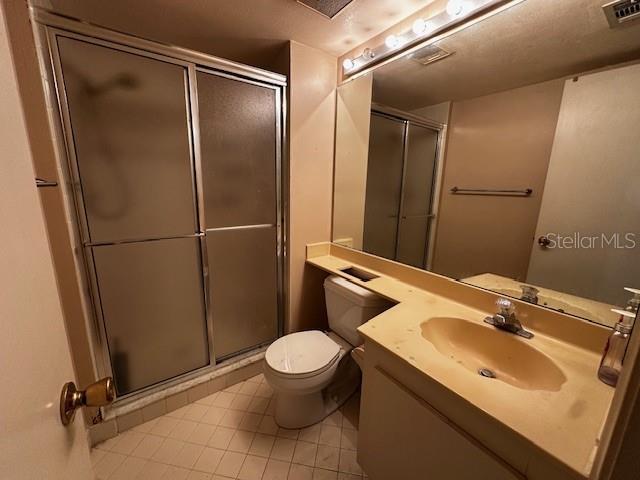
x=504 y=157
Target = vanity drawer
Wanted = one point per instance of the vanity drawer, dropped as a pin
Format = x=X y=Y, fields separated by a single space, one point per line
x=403 y=437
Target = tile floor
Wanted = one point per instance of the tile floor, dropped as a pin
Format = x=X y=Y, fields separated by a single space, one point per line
x=232 y=434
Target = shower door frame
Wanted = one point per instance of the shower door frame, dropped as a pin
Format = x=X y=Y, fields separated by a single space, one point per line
x=47 y=28
x=441 y=128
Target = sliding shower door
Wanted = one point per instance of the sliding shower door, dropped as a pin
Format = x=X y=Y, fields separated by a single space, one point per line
x=400 y=186
x=384 y=186
x=417 y=195
x=175 y=171
x=239 y=124
x=128 y=121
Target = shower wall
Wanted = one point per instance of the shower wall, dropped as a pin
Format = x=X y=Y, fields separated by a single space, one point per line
x=176 y=169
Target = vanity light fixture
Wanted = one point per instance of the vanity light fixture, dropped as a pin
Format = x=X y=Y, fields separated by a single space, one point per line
x=392 y=41
x=456 y=8
x=368 y=54
x=456 y=12
x=420 y=26
x=348 y=64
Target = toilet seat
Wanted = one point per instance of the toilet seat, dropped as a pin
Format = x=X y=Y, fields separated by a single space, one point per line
x=302 y=354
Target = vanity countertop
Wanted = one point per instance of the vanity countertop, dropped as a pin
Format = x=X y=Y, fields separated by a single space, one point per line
x=565 y=424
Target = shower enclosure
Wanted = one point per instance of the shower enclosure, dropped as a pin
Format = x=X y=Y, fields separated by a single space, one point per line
x=175 y=165
x=401 y=182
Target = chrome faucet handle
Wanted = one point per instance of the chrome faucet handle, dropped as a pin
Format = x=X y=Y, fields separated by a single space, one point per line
x=529 y=294
x=506 y=307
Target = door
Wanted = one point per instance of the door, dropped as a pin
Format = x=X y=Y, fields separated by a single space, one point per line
x=130 y=141
x=384 y=186
x=238 y=130
x=34 y=354
x=417 y=195
x=593 y=171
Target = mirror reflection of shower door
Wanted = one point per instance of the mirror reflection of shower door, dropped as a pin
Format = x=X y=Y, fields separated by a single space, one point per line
x=417 y=195
x=239 y=122
x=400 y=186
x=384 y=185
x=128 y=119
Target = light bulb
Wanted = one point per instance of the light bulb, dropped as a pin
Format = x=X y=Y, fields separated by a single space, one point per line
x=456 y=7
x=419 y=26
x=348 y=64
x=392 y=41
x=368 y=54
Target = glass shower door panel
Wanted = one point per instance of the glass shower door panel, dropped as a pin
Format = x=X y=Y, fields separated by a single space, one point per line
x=238 y=148
x=417 y=195
x=152 y=301
x=384 y=183
x=131 y=135
x=243 y=288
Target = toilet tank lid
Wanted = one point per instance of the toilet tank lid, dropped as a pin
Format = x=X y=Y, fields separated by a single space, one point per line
x=302 y=352
x=355 y=293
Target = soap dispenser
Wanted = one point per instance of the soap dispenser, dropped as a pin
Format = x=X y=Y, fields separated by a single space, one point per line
x=616 y=348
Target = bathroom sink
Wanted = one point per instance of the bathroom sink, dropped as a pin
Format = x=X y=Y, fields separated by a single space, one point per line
x=499 y=356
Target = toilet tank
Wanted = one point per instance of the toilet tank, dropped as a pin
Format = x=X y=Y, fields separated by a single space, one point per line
x=349 y=306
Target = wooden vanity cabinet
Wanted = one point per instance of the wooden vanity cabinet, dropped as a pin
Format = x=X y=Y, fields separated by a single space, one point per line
x=403 y=438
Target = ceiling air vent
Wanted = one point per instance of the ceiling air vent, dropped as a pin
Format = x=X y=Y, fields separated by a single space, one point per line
x=621 y=11
x=429 y=54
x=328 y=8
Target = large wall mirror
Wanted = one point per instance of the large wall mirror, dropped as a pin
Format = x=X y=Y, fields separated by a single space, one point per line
x=505 y=155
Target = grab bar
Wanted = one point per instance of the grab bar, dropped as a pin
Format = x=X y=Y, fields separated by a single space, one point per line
x=482 y=191
x=41 y=182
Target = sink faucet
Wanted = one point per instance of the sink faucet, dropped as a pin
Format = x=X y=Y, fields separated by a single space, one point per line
x=529 y=294
x=506 y=319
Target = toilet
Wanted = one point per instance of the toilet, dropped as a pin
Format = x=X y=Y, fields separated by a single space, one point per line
x=313 y=373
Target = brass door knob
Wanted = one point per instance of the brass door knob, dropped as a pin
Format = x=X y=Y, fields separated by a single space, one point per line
x=98 y=394
x=543 y=241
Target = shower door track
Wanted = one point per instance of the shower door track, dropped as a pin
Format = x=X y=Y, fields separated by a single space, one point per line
x=47 y=27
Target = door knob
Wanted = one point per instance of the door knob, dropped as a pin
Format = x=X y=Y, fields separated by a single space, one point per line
x=98 y=394
x=543 y=241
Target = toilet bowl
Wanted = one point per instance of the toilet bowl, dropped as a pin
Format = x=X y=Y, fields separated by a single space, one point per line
x=313 y=373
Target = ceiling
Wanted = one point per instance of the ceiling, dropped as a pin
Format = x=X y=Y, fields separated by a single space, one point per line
x=248 y=31
x=531 y=42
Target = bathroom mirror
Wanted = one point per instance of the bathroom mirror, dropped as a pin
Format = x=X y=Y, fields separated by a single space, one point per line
x=505 y=155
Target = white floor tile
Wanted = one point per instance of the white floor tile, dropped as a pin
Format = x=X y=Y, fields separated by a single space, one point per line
x=252 y=468
x=262 y=445
x=209 y=460
x=148 y=446
x=233 y=434
x=276 y=470
x=328 y=457
x=230 y=464
x=305 y=453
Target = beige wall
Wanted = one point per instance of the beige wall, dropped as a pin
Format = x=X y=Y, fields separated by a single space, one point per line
x=312 y=85
x=353 y=116
x=438 y=113
x=500 y=141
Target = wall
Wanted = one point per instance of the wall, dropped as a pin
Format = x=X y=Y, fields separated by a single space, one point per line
x=593 y=175
x=500 y=141
x=439 y=112
x=312 y=85
x=353 y=116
